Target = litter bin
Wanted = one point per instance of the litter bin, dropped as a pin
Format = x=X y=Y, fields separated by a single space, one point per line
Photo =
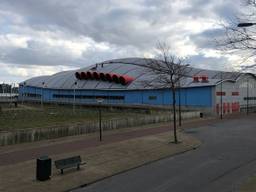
x=201 y=115
x=43 y=168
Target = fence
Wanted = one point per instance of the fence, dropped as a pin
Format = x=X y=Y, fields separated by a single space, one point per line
x=38 y=134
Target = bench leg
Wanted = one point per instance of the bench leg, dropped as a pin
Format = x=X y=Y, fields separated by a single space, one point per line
x=78 y=167
x=61 y=171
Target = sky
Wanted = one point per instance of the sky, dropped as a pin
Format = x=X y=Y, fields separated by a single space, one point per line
x=42 y=37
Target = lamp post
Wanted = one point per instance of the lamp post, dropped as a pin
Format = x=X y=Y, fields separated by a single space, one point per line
x=99 y=101
x=42 y=94
x=3 y=88
x=221 y=102
x=74 y=97
x=247 y=100
x=11 y=94
x=179 y=105
x=22 y=94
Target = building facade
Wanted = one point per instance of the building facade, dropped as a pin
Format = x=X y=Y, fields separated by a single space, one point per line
x=118 y=82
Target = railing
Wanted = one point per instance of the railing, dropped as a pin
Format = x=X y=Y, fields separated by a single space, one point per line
x=37 y=134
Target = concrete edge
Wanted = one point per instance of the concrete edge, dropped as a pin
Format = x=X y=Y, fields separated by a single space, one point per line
x=126 y=170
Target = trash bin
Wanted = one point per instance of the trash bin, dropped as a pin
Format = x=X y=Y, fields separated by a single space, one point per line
x=43 y=168
x=201 y=115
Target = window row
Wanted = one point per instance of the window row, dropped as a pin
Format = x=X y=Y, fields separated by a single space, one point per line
x=60 y=96
x=34 y=95
x=219 y=93
x=249 y=98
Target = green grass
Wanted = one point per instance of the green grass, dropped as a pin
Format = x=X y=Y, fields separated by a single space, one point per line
x=37 y=117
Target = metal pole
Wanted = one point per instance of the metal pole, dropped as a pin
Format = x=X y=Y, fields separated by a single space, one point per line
x=179 y=106
x=22 y=94
x=221 y=114
x=74 y=100
x=42 y=94
x=100 y=123
x=74 y=97
x=11 y=94
x=247 y=101
x=42 y=97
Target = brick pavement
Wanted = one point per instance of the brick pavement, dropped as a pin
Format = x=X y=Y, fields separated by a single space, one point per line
x=7 y=158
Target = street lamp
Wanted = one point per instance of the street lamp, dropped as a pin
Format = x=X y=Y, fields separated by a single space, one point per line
x=221 y=102
x=247 y=101
x=99 y=101
x=179 y=105
x=245 y=24
x=74 y=97
x=42 y=94
x=11 y=94
x=23 y=92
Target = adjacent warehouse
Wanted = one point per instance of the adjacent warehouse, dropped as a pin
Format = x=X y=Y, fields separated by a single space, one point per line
x=120 y=83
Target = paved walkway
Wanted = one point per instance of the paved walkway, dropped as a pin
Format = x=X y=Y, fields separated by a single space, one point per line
x=8 y=158
x=225 y=159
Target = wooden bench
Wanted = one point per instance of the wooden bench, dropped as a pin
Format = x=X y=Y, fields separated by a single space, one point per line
x=69 y=163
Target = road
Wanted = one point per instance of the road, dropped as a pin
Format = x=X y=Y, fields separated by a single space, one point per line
x=226 y=158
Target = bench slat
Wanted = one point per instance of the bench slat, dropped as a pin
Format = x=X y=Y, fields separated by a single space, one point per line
x=68 y=163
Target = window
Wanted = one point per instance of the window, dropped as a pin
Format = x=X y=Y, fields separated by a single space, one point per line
x=60 y=96
x=34 y=95
x=152 y=97
x=235 y=93
x=219 y=93
x=249 y=98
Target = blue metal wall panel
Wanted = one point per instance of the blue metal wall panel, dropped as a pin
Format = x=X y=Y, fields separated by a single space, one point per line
x=133 y=97
x=155 y=95
x=197 y=96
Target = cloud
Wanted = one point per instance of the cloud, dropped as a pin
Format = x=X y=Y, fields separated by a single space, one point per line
x=207 y=39
x=73 y=34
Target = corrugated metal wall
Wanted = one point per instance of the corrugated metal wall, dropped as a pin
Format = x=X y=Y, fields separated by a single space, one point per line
x=197 y=96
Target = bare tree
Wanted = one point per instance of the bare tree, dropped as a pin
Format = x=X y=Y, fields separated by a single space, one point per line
x=170 y=72
x=167 y=71
x=240 y=35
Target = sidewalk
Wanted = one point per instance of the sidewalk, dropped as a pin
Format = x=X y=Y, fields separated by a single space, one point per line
x=121 y=150
x=24 y=152
x=102 y=161
x=10 y=156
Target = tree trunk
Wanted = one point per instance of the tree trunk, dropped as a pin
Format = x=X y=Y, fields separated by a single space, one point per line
x=174 y=116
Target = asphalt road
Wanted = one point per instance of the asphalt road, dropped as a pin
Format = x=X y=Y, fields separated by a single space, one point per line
x=225 y=159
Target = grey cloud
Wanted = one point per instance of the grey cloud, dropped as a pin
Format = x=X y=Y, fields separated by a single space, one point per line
x=37 y=53
x=223 y=10
x=129 y=30
x=114 y=53
x=208 y=38
x=104 y=23
x=210 y=62
x=40 y=53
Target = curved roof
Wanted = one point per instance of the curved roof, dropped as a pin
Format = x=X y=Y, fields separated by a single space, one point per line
x=128 y=66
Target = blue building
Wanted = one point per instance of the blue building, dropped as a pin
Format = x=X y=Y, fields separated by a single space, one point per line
x=118 y=82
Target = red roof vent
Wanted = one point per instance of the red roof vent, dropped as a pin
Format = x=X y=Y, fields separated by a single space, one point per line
x=195 y=79
x=89 y=75
x=78 y=75
x=108 y=77
x=96 y=75
x=115 y=78
x=204 y=79
x=103 y=77
x=83 y=75
x=125 y=79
